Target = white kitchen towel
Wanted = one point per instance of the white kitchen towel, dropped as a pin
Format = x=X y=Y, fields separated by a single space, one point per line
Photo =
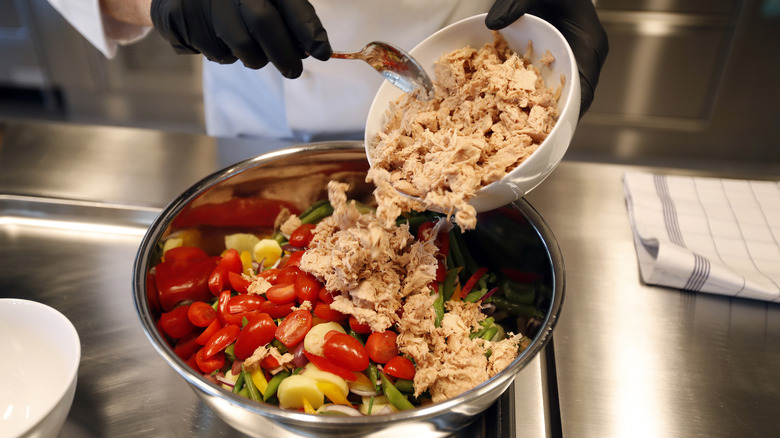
x=707 y=234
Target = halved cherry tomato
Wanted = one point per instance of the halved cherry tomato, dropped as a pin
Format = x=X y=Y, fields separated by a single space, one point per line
x=357 y=327
x=204 y=337
x=239 y=283
x=242 y=306
x=307 y=287
x=323 y=310
x=270 y=274
x=400 y=367
x=294 y=260
x=201 y=314
x=277 y=311
x=294 y=328
x=324 y=296
x=209 y=364
x=222 y=304
x=324 y=364
x=186 y=346
x=302 y=235
x=381 y=346
x=259 y=331
x=346 y=351
x=288 y=274
x=175 y=323
x=221 y=339
x=183 y=276
x=281 y=293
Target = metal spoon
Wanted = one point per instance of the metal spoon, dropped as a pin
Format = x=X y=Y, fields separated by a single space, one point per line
x=395 y=65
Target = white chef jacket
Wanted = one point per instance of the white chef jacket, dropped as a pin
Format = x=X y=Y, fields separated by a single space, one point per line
x=330 y=100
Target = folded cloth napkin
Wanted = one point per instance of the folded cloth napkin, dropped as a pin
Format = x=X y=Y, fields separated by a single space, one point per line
x=707 y=234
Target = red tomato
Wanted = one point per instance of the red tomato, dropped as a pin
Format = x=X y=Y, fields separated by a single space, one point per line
x=381 y=346
x=441 y=271
x=288 y=274
x=259 y=331
x=324 y=296
x=182 y=278
x=281 y=293
x=221 y=339
x=175 y=323
x=270 y=274
x=269 y=363
x=357 y=327
x=302 y=236
x=218 y=280
x=222 y=304
x=294 y=328
x=240 y=307
x=307 y=287
x=239 y=283
x=209 y=364
x=400 y=367
x=186 y=346
x=346 y=351
x=277 y=310
x=424 y=229
x=294 y=260
x=323 y=310
x=201 y=314
x=184 y=255
x=231 y=259
x=204 y=337
x=152 y=296
x=324 y=364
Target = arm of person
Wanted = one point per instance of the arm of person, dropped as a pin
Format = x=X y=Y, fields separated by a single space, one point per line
x=106 y=24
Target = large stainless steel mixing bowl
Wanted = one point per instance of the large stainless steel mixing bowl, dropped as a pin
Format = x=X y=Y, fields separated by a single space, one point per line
x=513 y=236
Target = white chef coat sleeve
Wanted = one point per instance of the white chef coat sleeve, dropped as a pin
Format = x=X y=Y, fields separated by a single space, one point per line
x=99 y=29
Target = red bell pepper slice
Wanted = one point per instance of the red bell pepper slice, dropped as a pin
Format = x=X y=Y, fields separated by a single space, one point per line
x=472 y=281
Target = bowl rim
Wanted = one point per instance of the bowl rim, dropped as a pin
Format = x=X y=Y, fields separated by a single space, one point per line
x=63 y=324
x=356 y=148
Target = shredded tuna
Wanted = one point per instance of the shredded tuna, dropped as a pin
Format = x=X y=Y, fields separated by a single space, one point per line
x=491 y=110
x=253 y=362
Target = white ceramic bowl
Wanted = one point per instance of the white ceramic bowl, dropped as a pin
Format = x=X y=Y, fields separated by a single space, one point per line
x=473 y=32
x=40 y=353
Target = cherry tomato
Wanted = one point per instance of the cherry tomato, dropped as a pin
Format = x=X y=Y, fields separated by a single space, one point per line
x=357 y=327
x=175 y=323
x=323 y=310
x=302 y=236
x=201 y=314
x=204 y=337
x=277 y=310
x=281 y=293
x=183 y=276
x=209 y=364
x=400 y=367
x=152 y=295
x=239 y=283
x=221 y=339
x=324 y=364
x=218 y=280
x=381 y=346
x=324 y=296
x=269 y=363
x=242 y=306
x=294 y=328
x=222 y=303
x=307 y=287
x=270 y=274
x=259 y=331
x=288 y=274
x=346 y=351
x=294 y=260
x=186 y=346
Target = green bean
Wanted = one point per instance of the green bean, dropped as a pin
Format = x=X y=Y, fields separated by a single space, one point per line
x=312 y=207
x=489 y=333
x=317 y=214
x=406 y=386
x=273 y=384
x=450 y=279
x=373 y=374
x=254 y=394
x=239 y=383
x=438 y=308
x=394 y=396
x=516 y=309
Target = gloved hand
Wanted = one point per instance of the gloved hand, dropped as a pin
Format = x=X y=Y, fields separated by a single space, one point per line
x=576 y=20
x=254 y=31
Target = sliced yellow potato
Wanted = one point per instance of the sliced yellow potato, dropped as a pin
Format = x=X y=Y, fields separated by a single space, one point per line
x=362 y=383
x=315 y=338
x=318 y=375
x=295 y=389
x=241 y=242
x=173 y=242
x=267 y=250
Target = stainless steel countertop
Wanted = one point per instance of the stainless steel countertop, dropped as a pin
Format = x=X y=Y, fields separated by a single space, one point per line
x=628 y=359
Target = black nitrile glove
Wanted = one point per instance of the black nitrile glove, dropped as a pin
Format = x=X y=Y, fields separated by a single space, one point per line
x=254 y=31
x=576 y=20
